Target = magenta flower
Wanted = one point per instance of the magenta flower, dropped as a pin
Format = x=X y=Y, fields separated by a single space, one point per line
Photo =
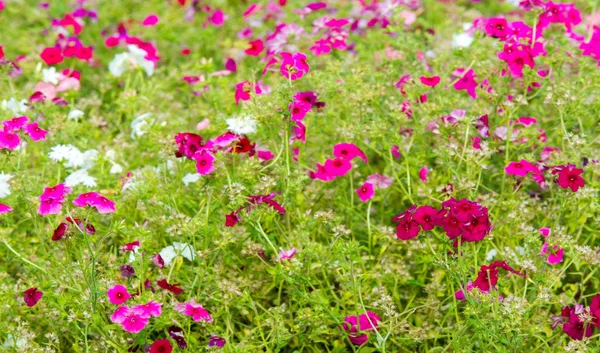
x=118 y=294
x=35 y=132
x=130 y=321
x=356 y=326
x=204 y=162
x=59 y=191
x=148 y=310
x=15 y=124
x=299 y=109
x=150 y=20
x=520 y=168
x=396 y=152
x=9 y=140
x=423 y=174
x=349 y=151
x=366 y=192
x=94 y=199
x=31 y=296
x=497 y=28
x=554 y=255
x=243 y=90
x=430 y=81
x=194 y=310
x=5 y=208
x=50 y=206
x=255 y=47
x=293 y=66
x=161 y=346
x=407 y=227
x=545 y=232
x=487 y=278
x=569 y=176
x=466 y=82
x=337 y=167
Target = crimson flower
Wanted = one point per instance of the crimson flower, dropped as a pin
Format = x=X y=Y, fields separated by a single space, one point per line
x=31 y=296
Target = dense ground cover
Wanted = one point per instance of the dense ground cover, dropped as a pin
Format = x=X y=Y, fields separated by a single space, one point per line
x=296 y=176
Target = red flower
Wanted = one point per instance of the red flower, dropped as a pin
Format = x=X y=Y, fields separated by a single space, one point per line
x=407 y=227
x=161 y=346
x=173 y=288
x=569 y=177
x=32 y=296
x=426 y=216
x=52 y=56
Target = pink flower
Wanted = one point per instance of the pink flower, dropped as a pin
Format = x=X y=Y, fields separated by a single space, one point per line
x=349 y=151
x=396 y=152
x=366 y=192
x=545 y=232
x=5 y=208
x=466 y=82
x=50 y=206
x=497 y=28
x=407 y=227
x=9 y=140
x=337 y=167
x=52 y=56
x=130 y=321
x=379 y=181
x=147 y=310
x=118 y=294
x=31 y=296
x=423 y=174
x=243 y=90
x=430 y=81
x=94 y=199
x=426 y=217
x=293 y=66
x=204 y=162
x=286 y=254
x=195 y=310
x=151 y=20
x=554 y=254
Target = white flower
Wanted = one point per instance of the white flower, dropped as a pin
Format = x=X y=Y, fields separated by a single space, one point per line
x=50 y=75
x=491 y=254
x=14 y=342
x=73 y=156
x=138 y=123
x=243 y=125
x=171 y=251
x=4 y=186
x=135 y=251
x=462 y=40
x=80 y=177
x=190 y=178
x=116 y=168
x=131 y=60
x=75 y=114
x=18 y=108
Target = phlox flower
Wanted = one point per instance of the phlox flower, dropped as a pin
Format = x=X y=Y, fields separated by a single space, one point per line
x=243 y=90
x=379 y=181
x=94 y=199
x=407 y=227
x=466 y=82
x=32 y=296
x=151 y=20
x=423 y=174
x=349 y=151
x=5 y=208
x=35 y=132
x=161 y=346
x=255 y=47
x=150 y=309
x=176 y=334
x=52 y=56
x=337 y=167
x=497 y=27
x=194 y=310
x=426 y=217
x=293 y=66
x=554 y=255
x=487 y=278
x=520 y=168
x=573 y=326
x=174 y=288
x=356 y=326
x=63 y=228
x=80 y=177
x=242 y=125
x=298 y=110
x=188 y=144
x=204 y=162
x=4 y=185
x=130 y=321
x=216 y=341
x=286 y=254
x=569 y=176
x=366 y=192
x=118 y=294
x=170 y=252
x=15 y=124
x=430 y=81
x=9 y=141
